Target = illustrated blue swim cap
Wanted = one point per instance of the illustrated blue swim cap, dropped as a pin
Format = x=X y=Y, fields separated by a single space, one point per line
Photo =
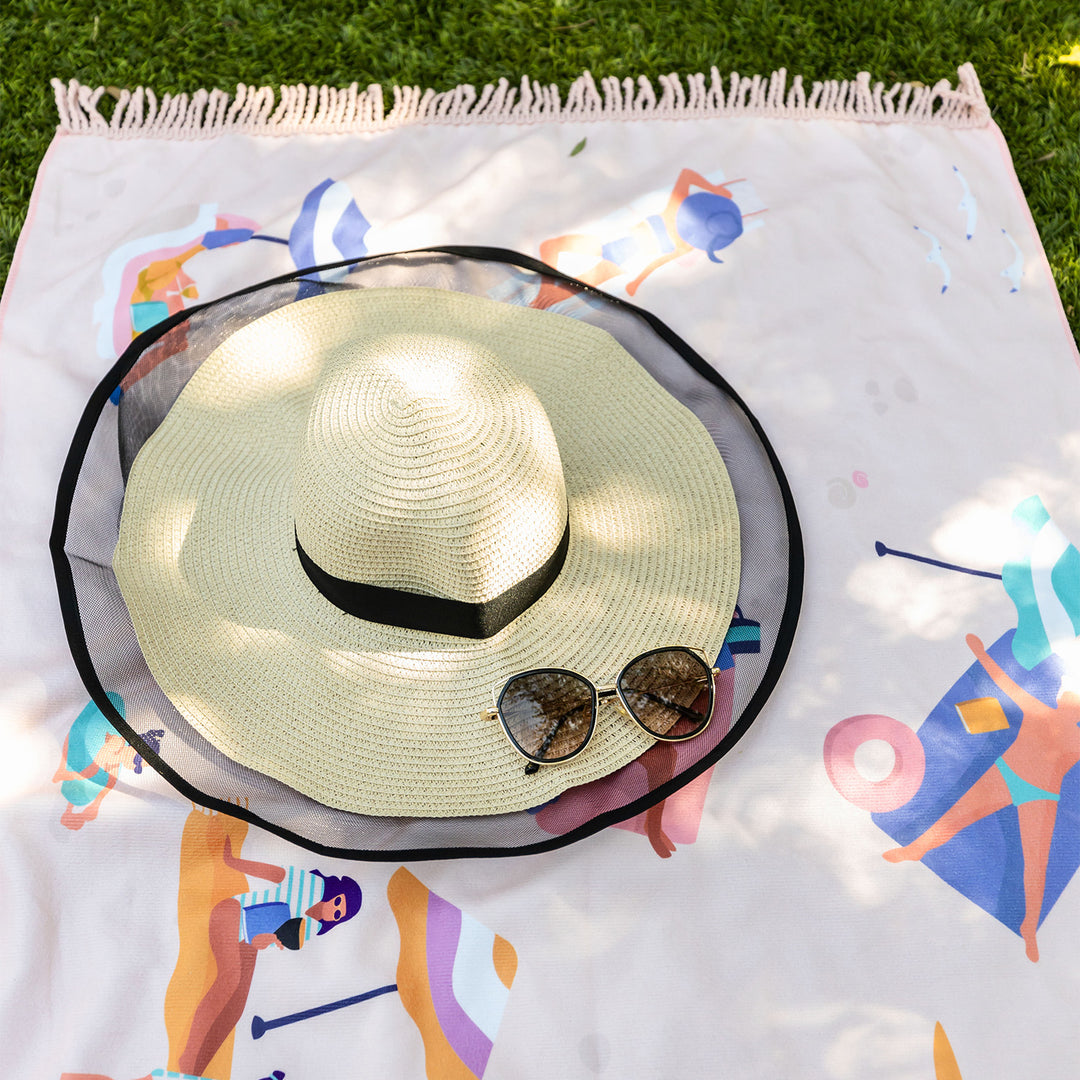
x=216 y=238
x=709 y=222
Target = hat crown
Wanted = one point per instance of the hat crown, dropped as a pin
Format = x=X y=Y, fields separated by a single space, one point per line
x=429 y=467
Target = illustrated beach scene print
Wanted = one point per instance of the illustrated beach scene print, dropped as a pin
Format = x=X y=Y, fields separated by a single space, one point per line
x=453 y=977
x=986 y=793
x=148 y=279
x=225 y=926
x=866 y=868
x=92 y=757
x=701 y=213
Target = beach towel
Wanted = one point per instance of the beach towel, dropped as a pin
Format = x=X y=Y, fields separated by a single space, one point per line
x=877 y=880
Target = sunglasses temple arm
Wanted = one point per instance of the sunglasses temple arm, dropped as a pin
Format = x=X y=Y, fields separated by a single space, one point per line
x=682 y=710
x=534 y=766
x=550 y=737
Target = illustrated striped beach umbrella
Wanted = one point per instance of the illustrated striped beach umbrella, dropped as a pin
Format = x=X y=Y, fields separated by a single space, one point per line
x=329 y=227
x=1043 y=581
x=454 y=977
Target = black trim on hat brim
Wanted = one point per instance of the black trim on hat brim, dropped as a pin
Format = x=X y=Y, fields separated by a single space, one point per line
x=84 y=664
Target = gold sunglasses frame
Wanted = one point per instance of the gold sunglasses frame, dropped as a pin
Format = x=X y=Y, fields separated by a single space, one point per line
x=601 y=693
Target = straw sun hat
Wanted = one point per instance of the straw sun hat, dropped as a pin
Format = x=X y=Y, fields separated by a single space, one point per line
x=369 y=508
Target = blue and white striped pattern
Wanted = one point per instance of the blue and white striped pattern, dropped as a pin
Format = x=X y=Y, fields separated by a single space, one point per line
x=1044 y=584
x=329 y=228
x=299 y=891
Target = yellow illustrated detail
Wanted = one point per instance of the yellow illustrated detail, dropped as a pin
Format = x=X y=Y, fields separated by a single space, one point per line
x=982 y=714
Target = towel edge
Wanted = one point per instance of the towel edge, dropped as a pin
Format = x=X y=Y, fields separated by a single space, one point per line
x=303 y=109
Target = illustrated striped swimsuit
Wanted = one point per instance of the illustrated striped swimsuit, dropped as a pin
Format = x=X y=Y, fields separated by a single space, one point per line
x=279 y=903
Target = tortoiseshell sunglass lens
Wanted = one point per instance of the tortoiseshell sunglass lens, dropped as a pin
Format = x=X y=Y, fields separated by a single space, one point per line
x=548 y=714
x=669 y=692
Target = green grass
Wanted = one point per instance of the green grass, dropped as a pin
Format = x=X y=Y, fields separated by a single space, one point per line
x=1014 y=45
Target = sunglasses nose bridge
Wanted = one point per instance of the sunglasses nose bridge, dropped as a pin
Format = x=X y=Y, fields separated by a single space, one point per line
x=611 y=693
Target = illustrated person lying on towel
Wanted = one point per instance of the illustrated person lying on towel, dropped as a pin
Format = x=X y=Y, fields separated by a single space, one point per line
x=1027 y=775
x=91 y=760
x=241 y=926
x=708 y=220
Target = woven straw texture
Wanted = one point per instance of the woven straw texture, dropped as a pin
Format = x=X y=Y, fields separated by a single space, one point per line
x=374 y=718
x=427 y=466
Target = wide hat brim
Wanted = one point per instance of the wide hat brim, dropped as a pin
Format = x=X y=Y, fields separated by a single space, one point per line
x=386 y=720
x=137 y=395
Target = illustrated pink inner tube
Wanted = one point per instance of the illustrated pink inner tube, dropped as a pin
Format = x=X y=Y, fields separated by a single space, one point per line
x=877 y=796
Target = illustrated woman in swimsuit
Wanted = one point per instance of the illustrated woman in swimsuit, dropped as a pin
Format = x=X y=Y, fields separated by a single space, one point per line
x=1028 y=775
x=241 y=926
x=91 y=761
x=708 y=220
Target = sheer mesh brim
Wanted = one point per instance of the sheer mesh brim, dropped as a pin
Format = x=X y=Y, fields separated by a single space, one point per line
x=145 y=383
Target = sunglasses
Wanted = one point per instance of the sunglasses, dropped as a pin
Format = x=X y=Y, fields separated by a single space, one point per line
x=549 y=714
